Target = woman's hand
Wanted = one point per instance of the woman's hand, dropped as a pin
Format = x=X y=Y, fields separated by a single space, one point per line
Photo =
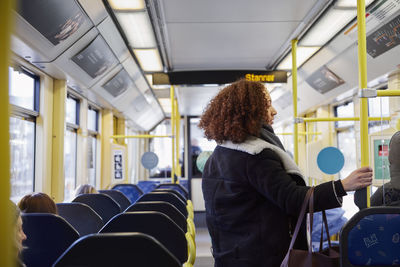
x=358 y=179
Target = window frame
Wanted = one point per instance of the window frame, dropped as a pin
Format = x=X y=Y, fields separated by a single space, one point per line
x=94 y=134
x=28 y=114
x=335 y=112
x=73 y=128
x=90 y=131
x=77 y=112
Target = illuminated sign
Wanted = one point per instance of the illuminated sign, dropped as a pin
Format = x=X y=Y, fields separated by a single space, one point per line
x=218 y=77
x=269 y=78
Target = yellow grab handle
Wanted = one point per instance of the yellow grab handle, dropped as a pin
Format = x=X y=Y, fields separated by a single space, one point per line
x=191 y=227
x=191 y=250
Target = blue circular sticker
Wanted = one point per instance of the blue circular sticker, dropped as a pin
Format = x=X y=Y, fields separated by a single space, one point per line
x=149 y=160
x=330 y=160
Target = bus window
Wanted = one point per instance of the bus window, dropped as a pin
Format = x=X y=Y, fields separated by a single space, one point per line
x=70 y=149
x=24 y=92
x=93 y=116
x=378 y=107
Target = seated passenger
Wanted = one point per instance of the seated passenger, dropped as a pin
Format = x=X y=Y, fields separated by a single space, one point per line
x=85 y=189
x=37 y=202
x=19 y=234
x=389 y=193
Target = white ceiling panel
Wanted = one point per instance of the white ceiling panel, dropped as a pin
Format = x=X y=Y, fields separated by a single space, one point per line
x=236 y=10
x=194 y=99
x=218 y=45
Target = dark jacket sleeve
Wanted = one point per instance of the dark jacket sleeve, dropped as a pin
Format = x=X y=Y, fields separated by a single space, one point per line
x=268 y=176
x=376 y=198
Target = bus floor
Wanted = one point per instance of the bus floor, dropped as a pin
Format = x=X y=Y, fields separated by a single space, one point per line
x=203 y=248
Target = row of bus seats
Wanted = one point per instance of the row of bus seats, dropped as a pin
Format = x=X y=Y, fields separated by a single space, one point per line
x=371 y=238
x=107 y=229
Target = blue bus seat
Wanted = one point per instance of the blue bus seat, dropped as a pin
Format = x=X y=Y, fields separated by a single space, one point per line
x=173 y=191
x=163 y=207
x=371 y=238
x=102 y=204
x=155 y=224
x=48 y=236
x=117 y=250
x=147 y=186
x=82 y=217
x=167 y=197
x=131 y=191
x=185 y=183
x=177 y=187
x=119 y=197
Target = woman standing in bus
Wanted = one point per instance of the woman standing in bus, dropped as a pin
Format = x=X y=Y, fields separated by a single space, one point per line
x=253 y=190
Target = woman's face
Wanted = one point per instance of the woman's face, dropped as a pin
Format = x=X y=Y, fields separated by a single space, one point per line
x=20 y=235
x=271 y=111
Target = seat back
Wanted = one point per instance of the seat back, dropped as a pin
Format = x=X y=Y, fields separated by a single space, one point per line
x=131 y=191
x=155 y=224
x=102 y=204
x=119 y=197
x=371 y=237
x=147 y=186
x=163 y=207
x=82 y=217
x=176 y=187
x=48 y=236
x=167 y=197
x=127 y=249
x=173 y=191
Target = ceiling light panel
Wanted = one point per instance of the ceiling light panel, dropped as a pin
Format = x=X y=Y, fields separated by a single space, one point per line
x=327 y=27
x=138 y=29
x=303 y=53
x=127 y=4
x=350 y=3
x=165 y=104
x=149 y=59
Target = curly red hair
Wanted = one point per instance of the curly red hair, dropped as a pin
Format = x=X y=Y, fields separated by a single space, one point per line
x=239 y=110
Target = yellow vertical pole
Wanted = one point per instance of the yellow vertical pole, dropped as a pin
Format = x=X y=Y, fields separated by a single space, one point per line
x=107 y=130
x=6 y=227
x=172 y=97
x=57 y=168
x=294 y=85
x=121 y=130
x=178 y=122
x=362 y=68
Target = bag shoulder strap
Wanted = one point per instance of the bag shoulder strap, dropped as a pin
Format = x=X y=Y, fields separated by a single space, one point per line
x=310 y=193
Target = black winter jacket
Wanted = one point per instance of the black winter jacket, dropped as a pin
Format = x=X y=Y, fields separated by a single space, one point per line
x=252 y=204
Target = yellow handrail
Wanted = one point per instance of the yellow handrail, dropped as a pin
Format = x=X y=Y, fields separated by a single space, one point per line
x=344 y=119
x=294 y=85
x=300 y=133
x=362 y=68
x=172 y=97
x=6 y=227
x=140 y=136
x=388 y=92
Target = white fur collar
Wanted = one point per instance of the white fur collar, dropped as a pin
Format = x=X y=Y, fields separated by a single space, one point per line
x=254 y=146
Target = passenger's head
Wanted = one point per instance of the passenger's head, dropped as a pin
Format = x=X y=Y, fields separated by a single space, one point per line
x=394 y=160
x=85 y=189
x=238 y=110
x=18 y=231
x=37 y=202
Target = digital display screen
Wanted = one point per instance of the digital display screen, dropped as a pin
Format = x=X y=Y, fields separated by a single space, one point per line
x=54 y=19
x=118 y=84
x=96 y=58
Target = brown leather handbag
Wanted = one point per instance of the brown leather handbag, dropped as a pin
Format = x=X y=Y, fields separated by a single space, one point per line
x=303 y=258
